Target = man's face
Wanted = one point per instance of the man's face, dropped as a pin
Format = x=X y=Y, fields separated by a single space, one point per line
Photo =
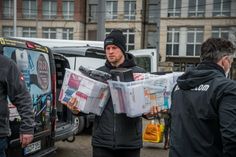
x=114 y=55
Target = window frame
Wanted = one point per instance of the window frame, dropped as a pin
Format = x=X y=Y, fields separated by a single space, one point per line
x=152 y=14
x=195 y=43
x=131 y=13
x=127 y=33
x=31 y=32
x=174 y=11
x=30 y=12
x=68 y=32
x=218 y=31
x=7 y=31
x=173 y=31
x=8 y=9
x=68 y=14
x=113 y=13
x=48 y=32
x=51 y=14
x=196 y=12
x=92 y=12
x=221 y=11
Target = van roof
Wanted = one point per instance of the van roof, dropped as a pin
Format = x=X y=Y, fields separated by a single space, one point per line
x=23 y=44
x=83 y=51
x=143 y=50
x=62 y=42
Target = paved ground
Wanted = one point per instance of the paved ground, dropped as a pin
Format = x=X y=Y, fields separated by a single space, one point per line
x=82 y=148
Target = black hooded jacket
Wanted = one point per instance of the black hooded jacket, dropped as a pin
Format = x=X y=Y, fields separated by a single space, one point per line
x=12 y=86
x=203 y=114
x=117 y=131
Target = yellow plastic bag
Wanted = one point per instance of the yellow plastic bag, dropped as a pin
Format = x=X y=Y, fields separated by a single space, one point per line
x=153 y=132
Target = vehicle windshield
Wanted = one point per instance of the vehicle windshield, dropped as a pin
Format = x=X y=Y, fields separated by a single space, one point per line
x=92 y=63
x=144 y=62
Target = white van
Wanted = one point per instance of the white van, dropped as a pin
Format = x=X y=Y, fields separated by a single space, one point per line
x=91 y=54
x=88 y=56
x=145 y=58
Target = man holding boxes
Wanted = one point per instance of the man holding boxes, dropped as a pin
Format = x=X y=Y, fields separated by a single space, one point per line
x=116 y=135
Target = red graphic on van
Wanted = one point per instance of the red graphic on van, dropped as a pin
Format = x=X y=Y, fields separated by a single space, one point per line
x=43 y=72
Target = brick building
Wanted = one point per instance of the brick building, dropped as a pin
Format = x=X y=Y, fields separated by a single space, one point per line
x=184 y=24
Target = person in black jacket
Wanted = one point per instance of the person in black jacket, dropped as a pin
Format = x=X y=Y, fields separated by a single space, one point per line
x=116 y=135
x=12 y=86
x=203 y=111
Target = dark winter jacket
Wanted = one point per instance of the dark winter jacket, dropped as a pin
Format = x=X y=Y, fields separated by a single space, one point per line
x=203 y=114
x=117 y=131
x=12 y=86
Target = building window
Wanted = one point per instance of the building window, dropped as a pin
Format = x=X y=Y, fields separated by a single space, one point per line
x=68 y=33
x=29 y=32
x=29 y=9
x=7 y=31
x=49 y=9
x=194 y=41
x=172 y=45
x=8 y=9
x=68 y=9
x=92 y=13
x=220 y=32
x=221 y=8
x=130 y=7
x=129 y=36
x=152 y=40
x=49 y=33
x=174 y=8
x=111 y=10
x=152 y=11
x=196 y=8
x=228 y=33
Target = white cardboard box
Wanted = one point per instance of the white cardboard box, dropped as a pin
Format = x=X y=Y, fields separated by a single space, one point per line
x=83 y=94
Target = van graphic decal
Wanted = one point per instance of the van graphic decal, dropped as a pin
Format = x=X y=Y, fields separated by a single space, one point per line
x=43 y=72
x=34 y=66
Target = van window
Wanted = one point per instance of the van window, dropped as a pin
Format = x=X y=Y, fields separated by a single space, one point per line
x=89 y=62
x=91 y=57
x=144 y=62
x=35 y=68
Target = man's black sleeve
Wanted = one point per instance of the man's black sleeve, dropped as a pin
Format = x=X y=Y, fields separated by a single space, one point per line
x=20 y=97
x=227 y=119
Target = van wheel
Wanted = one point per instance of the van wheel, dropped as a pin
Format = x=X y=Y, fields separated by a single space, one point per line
x=81 y=125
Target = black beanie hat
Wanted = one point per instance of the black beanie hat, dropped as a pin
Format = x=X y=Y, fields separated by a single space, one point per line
x=117 y=38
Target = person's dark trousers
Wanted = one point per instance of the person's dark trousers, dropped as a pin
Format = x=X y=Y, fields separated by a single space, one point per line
x=3 y=146
x=105 y=152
